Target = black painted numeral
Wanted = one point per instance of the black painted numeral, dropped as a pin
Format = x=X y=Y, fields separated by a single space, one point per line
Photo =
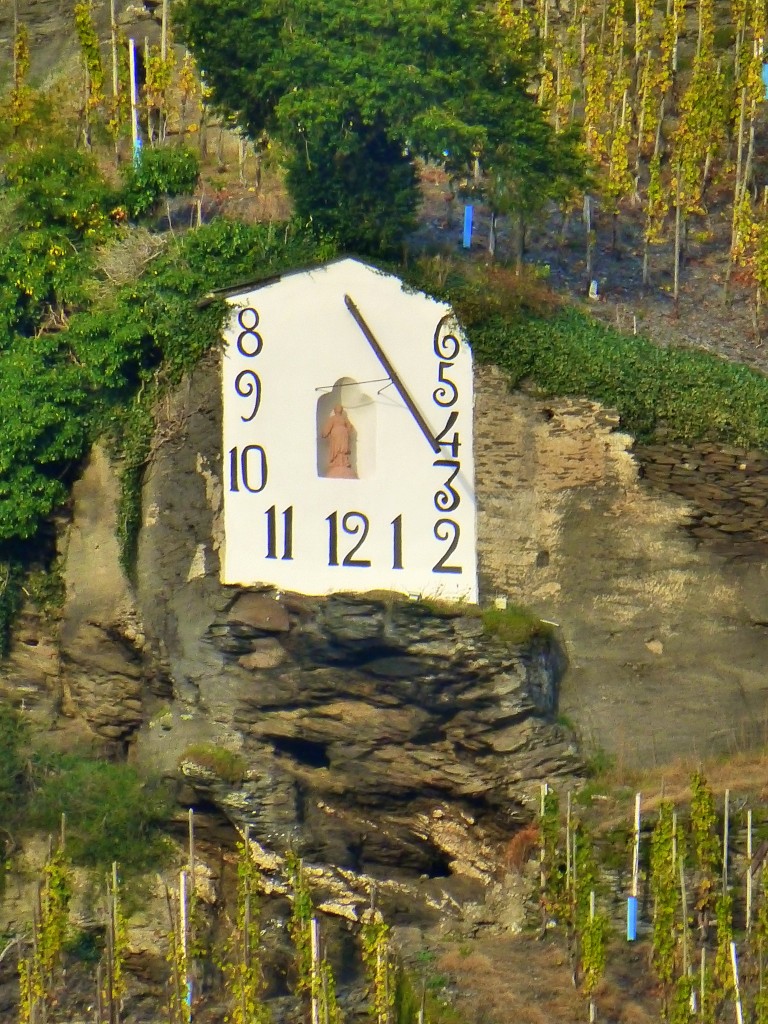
x=454 y=444
x=248 y=332
x=447 y=498
x=246 y=466
x=448 y=394
x=445 y=346
x=397 y=542
x=447 y=529
x=248 y=385
x=352 y=523
x=272 y=527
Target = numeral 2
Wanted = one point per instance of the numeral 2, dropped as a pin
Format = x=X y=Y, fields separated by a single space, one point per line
x=450 y=531
x=352 y=523
x=271 y=515
x=242 y=469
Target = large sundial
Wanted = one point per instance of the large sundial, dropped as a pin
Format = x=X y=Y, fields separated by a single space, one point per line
x=347 y=438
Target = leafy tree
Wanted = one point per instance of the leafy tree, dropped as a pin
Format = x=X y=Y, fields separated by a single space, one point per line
x=356 y=91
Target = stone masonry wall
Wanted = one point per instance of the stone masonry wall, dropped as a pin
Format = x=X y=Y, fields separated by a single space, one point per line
x=666 y=634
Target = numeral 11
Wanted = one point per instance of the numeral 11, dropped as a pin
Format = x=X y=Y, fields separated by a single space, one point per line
x=272 y=528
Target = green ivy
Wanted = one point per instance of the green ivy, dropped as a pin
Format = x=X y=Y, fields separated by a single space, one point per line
x=680 y=393
x=11 y=600
x=78 y=361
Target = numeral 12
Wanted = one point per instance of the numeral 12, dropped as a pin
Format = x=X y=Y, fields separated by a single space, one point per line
x=352 y=523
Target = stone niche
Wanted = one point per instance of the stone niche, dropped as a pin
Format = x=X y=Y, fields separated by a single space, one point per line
x=360 y=409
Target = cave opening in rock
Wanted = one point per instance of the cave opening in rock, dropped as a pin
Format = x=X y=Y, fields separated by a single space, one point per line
x=439 y=863
x=308 y=752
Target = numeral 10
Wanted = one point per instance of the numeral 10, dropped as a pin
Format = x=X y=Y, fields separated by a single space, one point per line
x=249 y=468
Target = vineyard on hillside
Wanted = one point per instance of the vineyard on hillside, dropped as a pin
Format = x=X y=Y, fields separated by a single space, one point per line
x=667 y=99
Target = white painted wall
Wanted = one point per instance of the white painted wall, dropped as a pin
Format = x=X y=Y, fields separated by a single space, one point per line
x=310 y=345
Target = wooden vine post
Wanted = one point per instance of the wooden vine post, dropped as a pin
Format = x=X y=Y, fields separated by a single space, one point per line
x=632 y=901
x=748 y=900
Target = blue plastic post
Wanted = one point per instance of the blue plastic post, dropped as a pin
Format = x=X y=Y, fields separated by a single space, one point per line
x=469 y=212
x=631 y=918
x=137 y=151
x=765 y=79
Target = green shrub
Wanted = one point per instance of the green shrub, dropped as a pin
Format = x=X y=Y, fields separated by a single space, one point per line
x=47 y=589
x=57 y=186
x=682 y=393
x=157 y=173
x=112 y=813
x=513 y=624
x=14 y=736
x=228 y=765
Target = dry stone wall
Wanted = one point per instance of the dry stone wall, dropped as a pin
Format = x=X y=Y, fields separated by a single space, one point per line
x=666 y=634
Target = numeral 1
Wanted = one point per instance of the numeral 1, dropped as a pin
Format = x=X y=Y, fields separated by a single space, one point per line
x=271 y=515
x=397 y=542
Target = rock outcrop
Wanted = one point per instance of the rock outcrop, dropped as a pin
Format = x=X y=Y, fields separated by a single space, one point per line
x=378 y=737
x=379 y=721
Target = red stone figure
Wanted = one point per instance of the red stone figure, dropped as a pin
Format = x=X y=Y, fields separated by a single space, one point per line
x=339 y=432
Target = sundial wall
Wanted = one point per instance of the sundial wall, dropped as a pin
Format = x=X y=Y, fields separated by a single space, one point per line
x=347 y=438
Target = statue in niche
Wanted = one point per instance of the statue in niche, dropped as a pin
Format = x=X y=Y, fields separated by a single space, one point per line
x=339 y=433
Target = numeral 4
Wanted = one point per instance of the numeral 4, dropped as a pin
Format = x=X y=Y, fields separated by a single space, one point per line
x=454 y=444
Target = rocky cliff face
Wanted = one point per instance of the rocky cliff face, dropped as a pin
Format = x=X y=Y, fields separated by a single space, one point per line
x=53 y=42
x=392 y=735
x=394 y=744
x=379 y=737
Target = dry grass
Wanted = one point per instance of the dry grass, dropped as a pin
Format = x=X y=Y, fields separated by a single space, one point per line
x=529 y=982
x=518 y=850
x=745 y=773
x=126 y=257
